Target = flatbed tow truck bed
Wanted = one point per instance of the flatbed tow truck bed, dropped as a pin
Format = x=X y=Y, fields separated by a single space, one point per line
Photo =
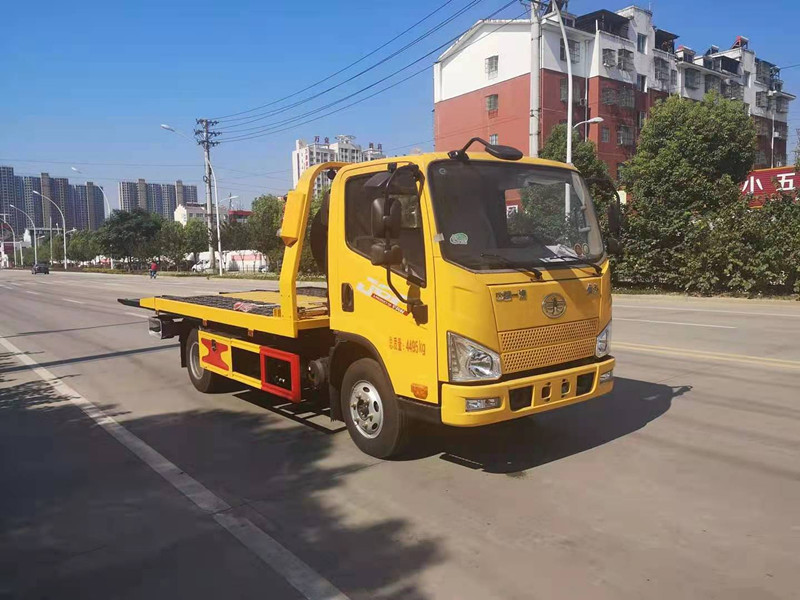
x=255 y=310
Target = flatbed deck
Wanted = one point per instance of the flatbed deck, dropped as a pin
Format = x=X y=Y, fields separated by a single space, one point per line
x=255 y=310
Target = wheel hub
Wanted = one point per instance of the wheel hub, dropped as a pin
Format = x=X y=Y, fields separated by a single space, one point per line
x=194 y=360
x=366 y=409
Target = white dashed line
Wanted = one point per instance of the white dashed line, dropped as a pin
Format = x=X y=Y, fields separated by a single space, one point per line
x=140 y=315
x=74 y=301
x=32 y=292
x=708 y=310
x=675 y=323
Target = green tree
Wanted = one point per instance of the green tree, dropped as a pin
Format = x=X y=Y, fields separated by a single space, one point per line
x=264 y=223
x=82 y=246
x=235 y=236
x=131 y=234
x=197 y=238
x=58 y=249
x=584 y=157
x=172 y=242
x=682 y=179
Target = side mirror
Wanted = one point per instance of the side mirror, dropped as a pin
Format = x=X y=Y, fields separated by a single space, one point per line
x=613 y=246
x=384 y=225
x=385 y=255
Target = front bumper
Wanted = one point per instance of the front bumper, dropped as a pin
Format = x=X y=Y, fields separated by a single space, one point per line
x=526 y=395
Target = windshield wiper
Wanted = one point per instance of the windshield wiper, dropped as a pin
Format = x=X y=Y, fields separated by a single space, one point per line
x=512 y=265
x=561 y=249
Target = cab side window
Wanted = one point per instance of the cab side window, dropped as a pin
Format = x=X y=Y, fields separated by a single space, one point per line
x=358 y=229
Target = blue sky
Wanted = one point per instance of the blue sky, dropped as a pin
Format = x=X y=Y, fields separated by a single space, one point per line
x=89 y=82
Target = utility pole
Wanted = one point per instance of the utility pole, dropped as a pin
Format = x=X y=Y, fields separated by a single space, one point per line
x=205 y=139
x=536 y=44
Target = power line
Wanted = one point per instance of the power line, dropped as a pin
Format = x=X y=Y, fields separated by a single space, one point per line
x=96 y=164
x=252 y=119
x=342 y=70
x=278 y=127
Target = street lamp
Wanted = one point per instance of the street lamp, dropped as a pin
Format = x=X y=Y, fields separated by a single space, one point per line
x=771 y=94
x=588 y=122
x=63 y=218
x=108 y=205
x=207 y=161
x=13 y=242
x=35 y=241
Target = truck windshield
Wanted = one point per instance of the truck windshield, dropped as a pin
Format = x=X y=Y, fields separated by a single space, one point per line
x=500 y=215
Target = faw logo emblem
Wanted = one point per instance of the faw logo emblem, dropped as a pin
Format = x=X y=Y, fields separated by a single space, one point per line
x=554 y=305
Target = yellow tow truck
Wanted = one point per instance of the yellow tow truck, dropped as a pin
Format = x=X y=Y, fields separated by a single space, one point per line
x=464 y=288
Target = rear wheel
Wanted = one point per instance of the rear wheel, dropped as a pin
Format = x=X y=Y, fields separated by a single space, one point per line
x=202 y=379
x=371 y=411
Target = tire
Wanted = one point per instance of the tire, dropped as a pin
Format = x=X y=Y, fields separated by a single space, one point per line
x=203 y=380
x=371 y=411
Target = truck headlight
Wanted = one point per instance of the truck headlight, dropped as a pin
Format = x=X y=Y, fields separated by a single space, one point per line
x=603 y=345
x=469 y=361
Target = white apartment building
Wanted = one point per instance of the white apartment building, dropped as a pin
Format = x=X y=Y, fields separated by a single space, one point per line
x=622 y=64
x=343 y=149
x=192 y=211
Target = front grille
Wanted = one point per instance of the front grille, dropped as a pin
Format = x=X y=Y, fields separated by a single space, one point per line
x=534 y=337
x=546 y=356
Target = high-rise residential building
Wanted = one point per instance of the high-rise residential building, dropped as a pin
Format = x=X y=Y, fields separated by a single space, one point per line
x=45 y=184
x=60 y=194
x=155 y=202
x=128 y=195
x=96 y=205
x=622 y=64
x=141 y=194
x=343 y=149
x=83 y=205
x=32 y=202
x=8 y=196
x=185 y=194
x=158 y=198
x=80 y=207
x=168 y=200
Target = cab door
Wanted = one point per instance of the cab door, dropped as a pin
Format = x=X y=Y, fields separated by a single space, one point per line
x=363 y=303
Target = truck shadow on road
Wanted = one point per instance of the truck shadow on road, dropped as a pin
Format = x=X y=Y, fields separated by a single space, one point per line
x=513 y=447
x=86 y=515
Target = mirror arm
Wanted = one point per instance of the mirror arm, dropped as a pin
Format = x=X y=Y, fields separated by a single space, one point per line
x=391 y=285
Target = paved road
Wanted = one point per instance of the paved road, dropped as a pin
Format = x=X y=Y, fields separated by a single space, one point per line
x=685 y=483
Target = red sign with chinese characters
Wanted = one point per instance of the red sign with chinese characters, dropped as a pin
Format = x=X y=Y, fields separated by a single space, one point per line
x=764 y=182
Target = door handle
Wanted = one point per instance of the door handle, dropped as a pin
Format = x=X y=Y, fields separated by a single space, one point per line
x=347 y=298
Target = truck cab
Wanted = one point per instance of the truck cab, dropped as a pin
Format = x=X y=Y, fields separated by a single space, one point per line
x=478 y=283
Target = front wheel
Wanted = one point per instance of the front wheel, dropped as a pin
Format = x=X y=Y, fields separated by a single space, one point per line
x=371 y=411
x=203 y=380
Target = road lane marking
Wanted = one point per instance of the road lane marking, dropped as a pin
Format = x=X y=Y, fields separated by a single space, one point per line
x=74 y=301
x=141 y=316
x=676 y=323
x=32 y=292
x=708 y=310
x=299 y=575
x=720 y=356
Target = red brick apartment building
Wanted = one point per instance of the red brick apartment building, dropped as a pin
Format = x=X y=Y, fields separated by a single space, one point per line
x=621 y=63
